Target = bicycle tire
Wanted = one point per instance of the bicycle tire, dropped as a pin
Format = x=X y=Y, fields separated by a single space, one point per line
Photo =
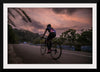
x=43 y=50
x=54 y=52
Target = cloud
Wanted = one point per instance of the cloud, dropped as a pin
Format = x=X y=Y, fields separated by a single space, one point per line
x=37 y=24
x=62 y=28
x=70 y=11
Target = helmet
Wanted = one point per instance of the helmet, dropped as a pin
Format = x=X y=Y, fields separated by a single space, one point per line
x=49 y=25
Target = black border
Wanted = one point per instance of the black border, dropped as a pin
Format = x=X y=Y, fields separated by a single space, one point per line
x=40 y=1
x=50 y=1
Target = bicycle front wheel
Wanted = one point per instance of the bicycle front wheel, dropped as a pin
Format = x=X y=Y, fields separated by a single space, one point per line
x=56 y=51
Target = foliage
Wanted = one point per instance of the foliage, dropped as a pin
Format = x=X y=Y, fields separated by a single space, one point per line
x=36 y=41
x=12 y=38
x=19 y=36
x=16 y=36
x=85 y=37
x=27 y=36
x=21 y=13
x=70 y=37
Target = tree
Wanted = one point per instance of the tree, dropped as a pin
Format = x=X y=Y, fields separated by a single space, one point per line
x=11 y=35
x=24 y=35
x=86 y=37
x=69 y=36
x=21 y=12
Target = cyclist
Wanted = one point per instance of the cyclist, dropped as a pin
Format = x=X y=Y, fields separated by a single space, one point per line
x=52 y=34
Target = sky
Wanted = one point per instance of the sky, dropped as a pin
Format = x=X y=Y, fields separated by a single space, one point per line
x=61 y=19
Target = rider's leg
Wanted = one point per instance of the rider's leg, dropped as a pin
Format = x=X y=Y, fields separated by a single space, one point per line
x=50 y=40
x=49 y=43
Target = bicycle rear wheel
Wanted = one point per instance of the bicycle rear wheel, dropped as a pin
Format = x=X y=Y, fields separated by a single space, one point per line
x=43 y=49
x=56 y=51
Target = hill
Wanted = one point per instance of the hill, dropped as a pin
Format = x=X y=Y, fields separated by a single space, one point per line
x=18 y=36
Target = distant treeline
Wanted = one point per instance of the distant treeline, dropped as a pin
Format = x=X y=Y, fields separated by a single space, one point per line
x=72 y=38
x=19 y=36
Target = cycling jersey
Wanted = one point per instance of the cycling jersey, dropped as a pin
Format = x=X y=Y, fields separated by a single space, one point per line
x=52 y=34
x=50 y=30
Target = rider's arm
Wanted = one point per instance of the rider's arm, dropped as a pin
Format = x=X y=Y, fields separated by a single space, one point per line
x=45 y=32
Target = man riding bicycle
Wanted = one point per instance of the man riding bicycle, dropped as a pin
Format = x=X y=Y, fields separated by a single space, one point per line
x=52 y=34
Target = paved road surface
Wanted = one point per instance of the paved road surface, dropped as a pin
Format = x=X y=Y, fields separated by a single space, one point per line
x=31 y=55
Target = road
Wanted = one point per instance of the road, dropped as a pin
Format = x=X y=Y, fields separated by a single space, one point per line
x=31 y=55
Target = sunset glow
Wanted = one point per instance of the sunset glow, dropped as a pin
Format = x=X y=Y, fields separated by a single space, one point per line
x=61 y=19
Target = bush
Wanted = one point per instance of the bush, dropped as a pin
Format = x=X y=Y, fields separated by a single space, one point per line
x=12 y=38
x=78 y=46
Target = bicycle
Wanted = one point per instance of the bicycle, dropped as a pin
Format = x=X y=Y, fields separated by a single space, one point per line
x=56 y=49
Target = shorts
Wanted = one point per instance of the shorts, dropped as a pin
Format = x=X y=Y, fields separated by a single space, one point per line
x=51 y=36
